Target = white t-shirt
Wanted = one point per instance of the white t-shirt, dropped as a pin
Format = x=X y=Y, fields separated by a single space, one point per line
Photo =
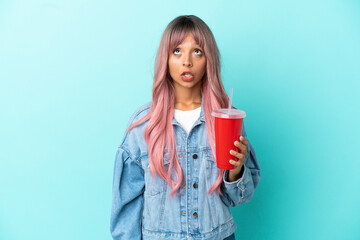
x=187 y=118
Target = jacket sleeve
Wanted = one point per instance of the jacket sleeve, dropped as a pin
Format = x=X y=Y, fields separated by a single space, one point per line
x=242 y=190
x=127 y=201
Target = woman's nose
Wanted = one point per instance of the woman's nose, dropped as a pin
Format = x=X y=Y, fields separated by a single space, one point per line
x=187 y=61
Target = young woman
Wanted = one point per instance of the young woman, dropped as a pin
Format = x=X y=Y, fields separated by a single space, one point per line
x=166 y=183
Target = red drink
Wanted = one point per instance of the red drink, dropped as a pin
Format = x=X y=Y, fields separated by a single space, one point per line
x=228 y=126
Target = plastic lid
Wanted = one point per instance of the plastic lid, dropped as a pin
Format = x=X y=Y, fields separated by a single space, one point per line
x=225 y=113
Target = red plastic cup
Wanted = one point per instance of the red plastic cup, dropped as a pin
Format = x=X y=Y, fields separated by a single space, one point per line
x=228 y=126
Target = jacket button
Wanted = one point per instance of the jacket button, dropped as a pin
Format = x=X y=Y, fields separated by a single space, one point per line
x=195 y=185
x=195 y=214
x=195 y=156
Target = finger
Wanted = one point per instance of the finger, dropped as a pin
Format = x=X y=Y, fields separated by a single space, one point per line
x=235 y=163
x=242 y=147
x=236 y=154
x=244 y=140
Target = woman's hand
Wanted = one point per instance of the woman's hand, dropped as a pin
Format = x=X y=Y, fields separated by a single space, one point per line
x=237 y=172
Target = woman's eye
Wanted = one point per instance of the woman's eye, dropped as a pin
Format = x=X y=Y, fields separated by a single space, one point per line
x=176 y=51
x=198 y=52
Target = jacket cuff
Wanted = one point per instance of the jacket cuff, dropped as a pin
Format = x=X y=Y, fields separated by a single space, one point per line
x=240 y=182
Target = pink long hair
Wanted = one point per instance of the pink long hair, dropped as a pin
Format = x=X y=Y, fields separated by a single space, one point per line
x=159 y=132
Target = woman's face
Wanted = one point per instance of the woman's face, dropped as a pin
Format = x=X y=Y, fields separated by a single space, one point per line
x=187 y=64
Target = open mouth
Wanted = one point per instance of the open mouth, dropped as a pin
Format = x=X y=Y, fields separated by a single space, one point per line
x=187 y=76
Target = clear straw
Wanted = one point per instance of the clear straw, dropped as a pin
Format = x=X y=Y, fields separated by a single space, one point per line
x=230 y=102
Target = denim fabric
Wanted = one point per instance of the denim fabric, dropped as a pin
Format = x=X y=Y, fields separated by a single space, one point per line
x=142 y=207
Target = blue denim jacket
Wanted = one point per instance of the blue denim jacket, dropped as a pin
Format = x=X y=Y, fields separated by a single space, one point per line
x=142 y=208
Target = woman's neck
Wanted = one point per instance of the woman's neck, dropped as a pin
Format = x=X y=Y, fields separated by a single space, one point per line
x=187 y=99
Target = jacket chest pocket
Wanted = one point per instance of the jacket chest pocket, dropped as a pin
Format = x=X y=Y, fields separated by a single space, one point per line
x=156 y=185
x=211 y=170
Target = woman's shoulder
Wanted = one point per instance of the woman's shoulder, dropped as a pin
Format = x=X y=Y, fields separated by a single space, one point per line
x=140 y=112
x=133 y=142
x=133 y=135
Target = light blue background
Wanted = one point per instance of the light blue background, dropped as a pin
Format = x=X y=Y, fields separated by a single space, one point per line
x=72 y=73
